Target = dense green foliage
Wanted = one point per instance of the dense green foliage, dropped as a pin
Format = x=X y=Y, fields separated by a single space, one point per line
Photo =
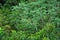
x=30 y=20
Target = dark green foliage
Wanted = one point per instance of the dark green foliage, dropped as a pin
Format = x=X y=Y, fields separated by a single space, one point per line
x=30 y=20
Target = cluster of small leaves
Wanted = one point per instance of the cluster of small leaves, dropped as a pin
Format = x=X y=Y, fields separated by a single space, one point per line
x=34 y=14
x=30 y=20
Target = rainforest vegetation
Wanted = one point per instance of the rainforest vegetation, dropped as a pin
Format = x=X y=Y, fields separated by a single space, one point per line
x=29 y=19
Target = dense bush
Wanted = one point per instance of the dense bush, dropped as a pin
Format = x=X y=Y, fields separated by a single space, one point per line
x=30 y=20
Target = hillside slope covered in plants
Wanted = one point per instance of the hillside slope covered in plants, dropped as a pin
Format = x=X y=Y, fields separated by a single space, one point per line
x=30 y=20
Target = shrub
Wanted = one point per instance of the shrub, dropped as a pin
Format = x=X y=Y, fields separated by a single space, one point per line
x=30 y=20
